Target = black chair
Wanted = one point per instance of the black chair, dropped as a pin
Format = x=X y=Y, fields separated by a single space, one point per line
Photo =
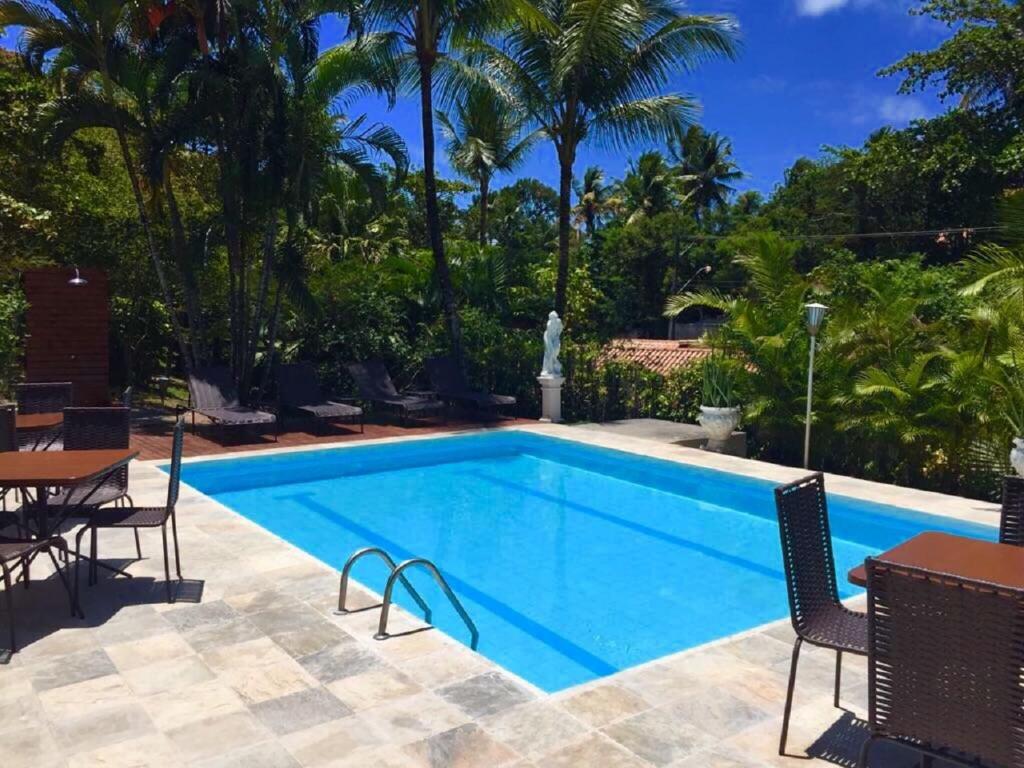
x=92 y=429
x=15 y=552
x=818 y=616
x=8 y=442
x=945 y=664
x=213 y=394
x=1011 y=519
x=449 y=381
x=299 y=392
x=141 y=517
x=374 y=385
x=44 y=397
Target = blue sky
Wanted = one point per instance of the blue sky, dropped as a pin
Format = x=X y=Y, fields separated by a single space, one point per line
x=806 y=77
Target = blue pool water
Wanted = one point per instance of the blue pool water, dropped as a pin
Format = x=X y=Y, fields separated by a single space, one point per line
x=574 y=561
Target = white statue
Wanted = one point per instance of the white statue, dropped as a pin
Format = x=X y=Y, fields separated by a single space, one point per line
x=552 y=345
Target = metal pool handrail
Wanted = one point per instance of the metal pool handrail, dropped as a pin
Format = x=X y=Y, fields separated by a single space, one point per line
x=382 y=629
x=377 y=551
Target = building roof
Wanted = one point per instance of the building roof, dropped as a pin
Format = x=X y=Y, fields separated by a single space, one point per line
x=659 y=355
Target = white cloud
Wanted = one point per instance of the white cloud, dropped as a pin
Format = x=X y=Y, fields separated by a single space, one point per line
x=818 y=7
x=900 y=110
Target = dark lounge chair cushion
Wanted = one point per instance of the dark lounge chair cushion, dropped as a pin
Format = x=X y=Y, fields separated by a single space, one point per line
x=450 y=383
x=331 y=410
x=374 y=384
x=214 y=396
x=237 y=415
x=299 y=390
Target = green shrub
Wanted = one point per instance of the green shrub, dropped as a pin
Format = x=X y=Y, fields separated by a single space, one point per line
x=12 y=335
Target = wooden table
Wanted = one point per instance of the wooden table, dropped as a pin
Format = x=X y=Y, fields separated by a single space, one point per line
x=42 y=470
x=958 y=556
x=40 y=424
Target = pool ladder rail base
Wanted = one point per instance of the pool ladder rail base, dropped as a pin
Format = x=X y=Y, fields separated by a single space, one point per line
x=398 y=575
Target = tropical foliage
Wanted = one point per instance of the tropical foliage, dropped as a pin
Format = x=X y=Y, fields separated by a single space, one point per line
x=209 y=158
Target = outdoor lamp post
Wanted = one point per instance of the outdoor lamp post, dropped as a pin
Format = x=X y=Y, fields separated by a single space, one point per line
x=815 y=314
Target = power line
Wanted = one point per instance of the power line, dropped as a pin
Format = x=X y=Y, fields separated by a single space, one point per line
x=958 y=231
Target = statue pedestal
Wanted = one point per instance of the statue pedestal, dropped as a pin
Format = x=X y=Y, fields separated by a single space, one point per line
x=551 y=398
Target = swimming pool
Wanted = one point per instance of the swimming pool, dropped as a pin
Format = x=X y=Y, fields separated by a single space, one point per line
x=574 y=561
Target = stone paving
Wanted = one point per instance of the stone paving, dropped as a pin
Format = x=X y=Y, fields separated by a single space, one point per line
x=252 y=668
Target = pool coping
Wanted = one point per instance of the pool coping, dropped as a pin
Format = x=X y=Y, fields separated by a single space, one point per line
x=927 y=502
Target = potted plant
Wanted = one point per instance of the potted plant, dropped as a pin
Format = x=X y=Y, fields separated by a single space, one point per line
x=719 y=413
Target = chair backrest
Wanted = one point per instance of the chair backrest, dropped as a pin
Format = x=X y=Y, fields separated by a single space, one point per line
x=212 y=387
x=297 y=385
x=945 y=661
x=446 y=375
x=92 y=429
x=8 y=427
x=177 y=446
x=1011 y=521
x=44 y=397
x=372 y=379
x=806 y=549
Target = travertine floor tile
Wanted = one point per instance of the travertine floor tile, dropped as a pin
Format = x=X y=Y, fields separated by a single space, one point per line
x=467 y=746
x=603 y=704
x=534 y=728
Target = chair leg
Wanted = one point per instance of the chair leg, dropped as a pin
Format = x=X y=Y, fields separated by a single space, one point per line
x=94 y=571
x=789 y=695
x=862 y=760
x=64 y=581
x=78 y=562
x=167 y=564
x=10 y=603
x=25 y=563
x=177 y=553
x=138 y=545
x=839 y=675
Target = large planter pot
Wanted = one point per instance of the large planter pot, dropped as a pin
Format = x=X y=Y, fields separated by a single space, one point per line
x=1017 y=456
x=719 y=423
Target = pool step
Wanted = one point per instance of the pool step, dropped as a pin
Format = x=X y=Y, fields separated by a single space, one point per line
x=397 y=574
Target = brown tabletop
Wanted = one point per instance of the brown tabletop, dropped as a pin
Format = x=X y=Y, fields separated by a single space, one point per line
x=36 y=469
x=958 y=556
x=36 y=422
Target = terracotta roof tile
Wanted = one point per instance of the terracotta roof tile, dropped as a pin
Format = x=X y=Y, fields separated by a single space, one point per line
x=659 y=355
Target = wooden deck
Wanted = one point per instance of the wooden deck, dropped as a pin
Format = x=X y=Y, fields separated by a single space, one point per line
x=153 y=439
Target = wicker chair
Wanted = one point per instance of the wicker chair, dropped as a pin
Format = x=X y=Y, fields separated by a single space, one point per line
x=141 y=517
x=945 y=661
x=8 y=442
x=1011 y=521
x=818 y=617
x=49 y=397
x=15 y=552
x=8 y=427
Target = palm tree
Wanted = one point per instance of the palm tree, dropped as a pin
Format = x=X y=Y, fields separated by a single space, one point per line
x=595 y=199
x=707 y=167
x=421 y=31
x=765 y=330
x=595 y=70
x=485 y=138
x=649 y=188
x=88 y=42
